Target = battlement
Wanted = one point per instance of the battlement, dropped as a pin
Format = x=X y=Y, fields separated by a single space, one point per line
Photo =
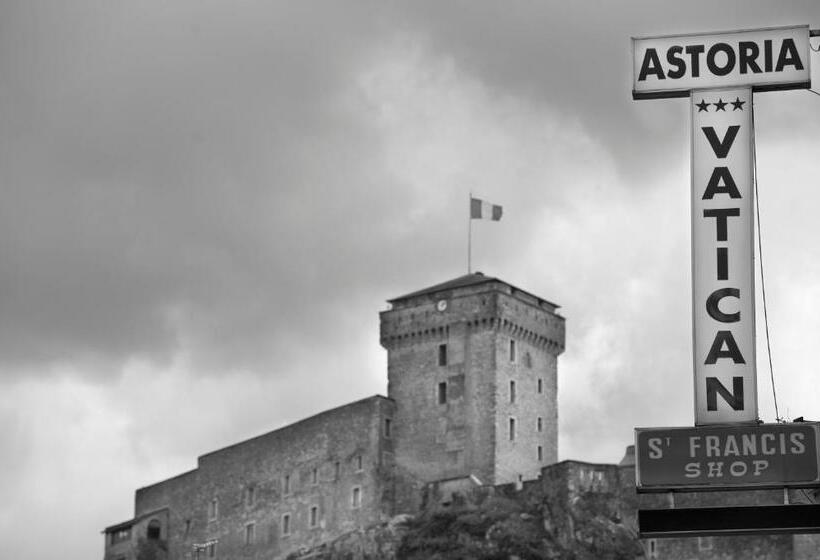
x=472 y=384
x=476 y=302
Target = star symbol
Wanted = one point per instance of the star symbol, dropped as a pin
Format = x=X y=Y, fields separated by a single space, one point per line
x=737 y=104
x=702 y=106
x=720 y=105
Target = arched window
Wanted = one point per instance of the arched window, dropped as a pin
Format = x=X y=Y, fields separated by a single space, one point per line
x=154 y=528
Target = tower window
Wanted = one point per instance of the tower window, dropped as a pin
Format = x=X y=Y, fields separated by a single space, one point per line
x=512 y=391
x=704 y=543
x=286 y=484
x=154 y=530
x=314 y=476
x=337 y=470
x=250 y=495
x=528 y=360
x=512 y=429
x=250 y=533
x=540 y=452
x=540 y=385
x=286 y=524
x=512 y=350
x=387 y=427
x=121 y=535
x=442 y=354
x=442 y=392
x=212 y=550
x=213 y=509
x=359 y=462
x=539 y=424
x=356 y=499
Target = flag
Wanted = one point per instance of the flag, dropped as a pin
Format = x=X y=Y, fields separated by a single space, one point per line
x=480 y=209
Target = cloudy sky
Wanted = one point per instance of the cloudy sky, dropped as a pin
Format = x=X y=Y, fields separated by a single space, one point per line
x=205 y=204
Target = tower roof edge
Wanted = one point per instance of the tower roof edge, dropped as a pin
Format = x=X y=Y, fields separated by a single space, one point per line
x=467 y=280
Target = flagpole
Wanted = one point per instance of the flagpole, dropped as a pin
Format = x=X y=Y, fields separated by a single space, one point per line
x=469 y=231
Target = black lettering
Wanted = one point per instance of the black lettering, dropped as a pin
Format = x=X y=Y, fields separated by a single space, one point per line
x=694 y=52
x=721 y=147
x=722 y=263
x=673 y=57
x=730 y=59
x=715 y=187
x=720 y=215
x=748 y=51
x=734 y=399
x=651 y=65
x=767 y=55
x=788 y=56
x=717 y=352
x=713 y=301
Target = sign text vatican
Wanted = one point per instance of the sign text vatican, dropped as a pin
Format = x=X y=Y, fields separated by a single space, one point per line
x=725 y=457
x=722 y=257
x=765 y=59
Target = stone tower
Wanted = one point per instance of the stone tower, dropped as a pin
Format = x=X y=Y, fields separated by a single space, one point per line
x=471 y=366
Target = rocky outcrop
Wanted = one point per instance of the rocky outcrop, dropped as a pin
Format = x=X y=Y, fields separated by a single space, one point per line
x=494 y=525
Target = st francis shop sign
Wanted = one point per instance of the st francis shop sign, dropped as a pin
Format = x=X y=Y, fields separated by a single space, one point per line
x=719 y=72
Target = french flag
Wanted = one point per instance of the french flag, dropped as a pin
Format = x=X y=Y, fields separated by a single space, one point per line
x=481 y=210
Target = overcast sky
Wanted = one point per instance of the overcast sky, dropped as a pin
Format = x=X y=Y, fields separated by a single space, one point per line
x=205 y=204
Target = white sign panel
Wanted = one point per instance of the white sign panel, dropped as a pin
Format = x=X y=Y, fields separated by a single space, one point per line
x=723 y=257
x=764 y=59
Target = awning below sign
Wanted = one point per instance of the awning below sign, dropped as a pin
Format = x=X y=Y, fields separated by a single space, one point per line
x=747 y=520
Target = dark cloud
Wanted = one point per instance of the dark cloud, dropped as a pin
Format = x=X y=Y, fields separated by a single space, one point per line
x=576 y=57
x=177 y=172
x=209 y=176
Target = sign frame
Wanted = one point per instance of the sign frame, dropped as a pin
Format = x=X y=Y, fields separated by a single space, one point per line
x=684 y=90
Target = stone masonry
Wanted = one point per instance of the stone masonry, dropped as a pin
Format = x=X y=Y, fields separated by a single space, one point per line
x=471 y=392
x=472 y=367
x=471 y=408
x=294 y=487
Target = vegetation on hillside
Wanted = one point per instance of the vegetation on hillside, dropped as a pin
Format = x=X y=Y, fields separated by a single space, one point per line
x=502 y=529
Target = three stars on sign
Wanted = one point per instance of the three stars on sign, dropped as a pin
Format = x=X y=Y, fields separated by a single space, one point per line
x=737 y=105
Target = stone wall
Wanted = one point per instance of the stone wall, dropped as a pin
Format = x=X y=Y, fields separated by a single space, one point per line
x=527 y=346
x=457 y=342
x=295 y=487
x=136 y=537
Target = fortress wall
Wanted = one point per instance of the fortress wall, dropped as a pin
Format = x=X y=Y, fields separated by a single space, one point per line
x=320 y=462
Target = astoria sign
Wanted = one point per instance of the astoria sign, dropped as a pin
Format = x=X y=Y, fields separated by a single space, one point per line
x=764 y=59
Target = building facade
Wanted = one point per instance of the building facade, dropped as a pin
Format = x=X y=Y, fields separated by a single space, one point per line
x=294 y=487
x=472 y=367
x=472 y=392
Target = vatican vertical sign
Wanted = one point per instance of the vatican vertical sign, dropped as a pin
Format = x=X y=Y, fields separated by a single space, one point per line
x=723 y=256
x=719 y=73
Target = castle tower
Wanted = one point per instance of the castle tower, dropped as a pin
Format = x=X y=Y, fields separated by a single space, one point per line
x=471 y=366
